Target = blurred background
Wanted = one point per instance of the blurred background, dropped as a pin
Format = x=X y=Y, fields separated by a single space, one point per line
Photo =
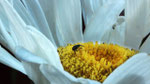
x=11 y=76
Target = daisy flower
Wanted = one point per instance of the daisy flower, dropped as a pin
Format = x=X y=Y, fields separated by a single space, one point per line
x=46 y=38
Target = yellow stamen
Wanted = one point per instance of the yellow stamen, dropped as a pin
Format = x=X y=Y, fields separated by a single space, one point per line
x=93 y=61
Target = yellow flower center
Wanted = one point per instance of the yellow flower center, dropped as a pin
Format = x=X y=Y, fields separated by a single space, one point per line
x=93 y=61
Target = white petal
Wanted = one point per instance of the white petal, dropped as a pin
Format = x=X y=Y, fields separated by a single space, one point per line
x=34 y=73
x=135 y=70
x=36 y=12
x=146 y=47
x=36 y=43
x=116 y=34
x=32 y=40
x=104 y=19
x=44 y=48
x=22 y=11
x=138 y=24
x=10 y=61
x=27 y=56
x=5 y=38
x=89 y=7
x=64 y=18
x=31 y=64
x=13 y=28
x=57 y=76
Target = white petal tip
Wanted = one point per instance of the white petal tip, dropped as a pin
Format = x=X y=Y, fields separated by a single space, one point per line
x=27 y=56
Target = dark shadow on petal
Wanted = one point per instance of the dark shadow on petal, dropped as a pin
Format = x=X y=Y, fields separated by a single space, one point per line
x=122 y=13
x=144 y=40
x=132 y=79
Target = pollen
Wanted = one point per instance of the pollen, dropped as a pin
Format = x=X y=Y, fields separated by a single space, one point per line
x=93 y=60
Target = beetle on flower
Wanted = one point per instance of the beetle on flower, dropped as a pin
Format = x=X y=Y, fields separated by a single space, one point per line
x=37 y=33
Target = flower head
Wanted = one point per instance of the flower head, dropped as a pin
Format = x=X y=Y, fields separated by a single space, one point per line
x=93 y=61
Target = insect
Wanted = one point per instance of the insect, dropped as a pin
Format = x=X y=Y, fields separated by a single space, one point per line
x=74 y=48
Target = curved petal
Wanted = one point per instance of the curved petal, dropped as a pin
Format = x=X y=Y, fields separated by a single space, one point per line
x=89 y=7
x=5 y=38
x=116 y=34
x=103 y=20
x=36 y=12
x=64 y=19
x=34 y=73
x=138 y=22
x=31 y=64
x=13 y=28
x=44 y=48
x=135 y=70
x=56 y=76
x=10 y=61
x=27 y=56
x=31 y=40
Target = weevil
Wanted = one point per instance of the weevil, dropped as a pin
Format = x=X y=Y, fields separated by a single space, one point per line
x=74 y=48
